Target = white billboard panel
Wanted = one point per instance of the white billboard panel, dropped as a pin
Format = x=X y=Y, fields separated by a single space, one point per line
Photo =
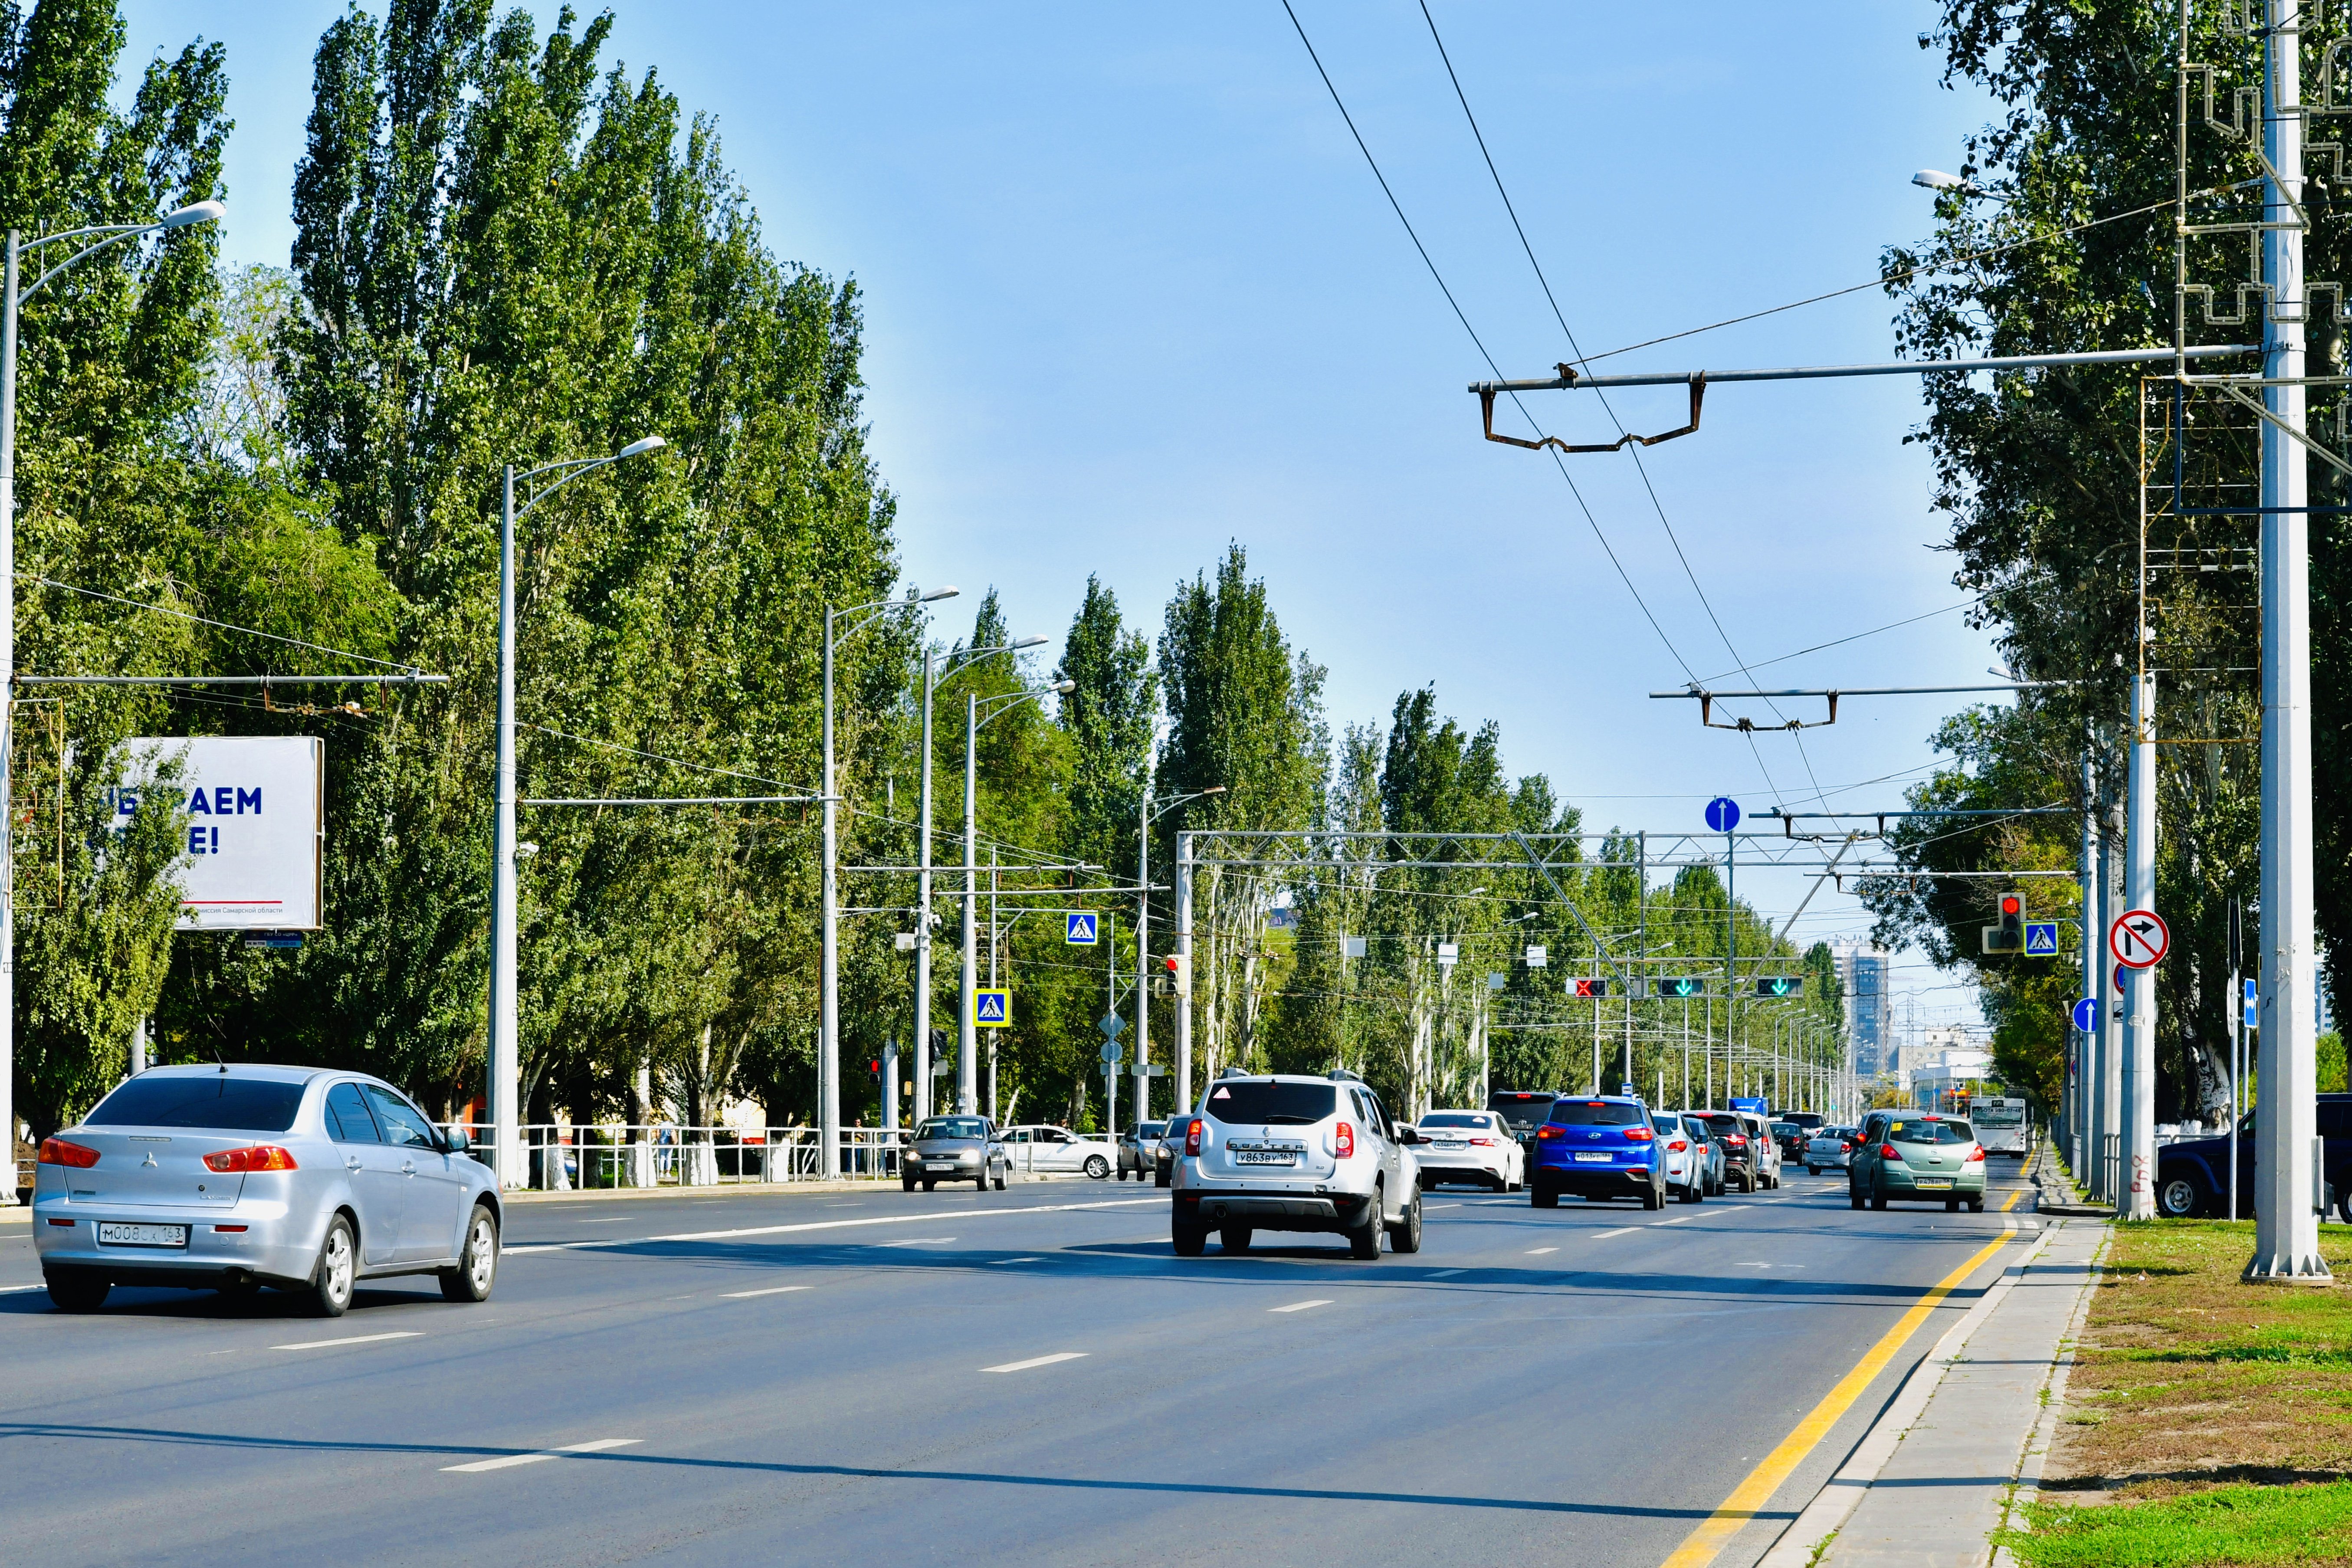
x=256 y=828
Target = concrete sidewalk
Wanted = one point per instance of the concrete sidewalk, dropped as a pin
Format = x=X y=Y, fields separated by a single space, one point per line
x=1935 y=1476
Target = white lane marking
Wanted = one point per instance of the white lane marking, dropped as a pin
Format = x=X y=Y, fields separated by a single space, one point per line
x=1678 y=1219
x=921 y=1241
x=771 y=1291
x=811 y=1225
x=1605 y=1234
x=1445 y=1274
x=1037 y=1361
x=1302 y=1306
x=610 y=1219
x=993 y=1261
x=1540 y=1251
x=353 y=1340
x=1426 y=1208
x=510 y=1460
x=5 y=1289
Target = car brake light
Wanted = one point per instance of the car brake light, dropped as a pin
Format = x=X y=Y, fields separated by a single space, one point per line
x=1678 y=1145
x=63 y=1223
x=58 y=1152
x=230 y=1229
x=1738 y=1140
x=1343 y=1141
x=1547 y=1131
x=1638 y=1135
x=1974 y=1155
x=1485 y=1143
x=1193 y=1136
x=260 y=1157
x=1886 y=1151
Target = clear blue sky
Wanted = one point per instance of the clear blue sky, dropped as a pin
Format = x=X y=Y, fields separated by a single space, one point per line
x=1131 y=292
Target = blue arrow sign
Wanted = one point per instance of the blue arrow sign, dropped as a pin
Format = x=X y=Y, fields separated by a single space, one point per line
x=1723 y=814
x=2086 y=1015
x=1078 y=929
x=2041 y=939
x=2253 y=1004
x=991 y=1009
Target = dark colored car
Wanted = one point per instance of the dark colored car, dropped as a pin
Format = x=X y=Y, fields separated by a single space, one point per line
x=1136 y=1147
x=1743 y=1163
x=2192 y=1176
x=1523 y=1110
x=1792 y=1137
x=1601 y=1147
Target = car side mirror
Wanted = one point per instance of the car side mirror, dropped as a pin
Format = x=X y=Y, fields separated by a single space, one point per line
x=460 y=1141
x=1408 y=1135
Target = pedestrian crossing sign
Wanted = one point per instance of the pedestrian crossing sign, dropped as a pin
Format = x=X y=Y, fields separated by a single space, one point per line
x=1078 y=929
x=2041 y=939
x=991 y=1009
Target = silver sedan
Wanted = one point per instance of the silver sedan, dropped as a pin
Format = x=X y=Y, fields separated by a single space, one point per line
x=233 y=1178
x=1829 y=1149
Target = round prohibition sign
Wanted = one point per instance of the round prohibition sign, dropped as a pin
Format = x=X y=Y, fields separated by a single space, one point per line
x=2139 y=939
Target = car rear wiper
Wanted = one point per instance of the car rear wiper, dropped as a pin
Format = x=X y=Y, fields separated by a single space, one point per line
x=1290 y=1120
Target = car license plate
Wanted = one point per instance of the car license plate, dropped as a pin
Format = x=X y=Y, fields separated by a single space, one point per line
x=144 y=1235
x=1593 y=1159
x=1449 y=1143
x=1930 y=1185
x=1264 y=1157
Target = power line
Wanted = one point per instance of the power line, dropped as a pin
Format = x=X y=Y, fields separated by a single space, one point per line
x=225 y=625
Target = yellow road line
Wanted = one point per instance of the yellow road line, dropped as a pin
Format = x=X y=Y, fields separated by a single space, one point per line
x=1748 y=1498
x=2011 y=1202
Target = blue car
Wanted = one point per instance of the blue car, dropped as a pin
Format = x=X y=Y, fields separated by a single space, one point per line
x=2192 y=1176
x=1601 y=1146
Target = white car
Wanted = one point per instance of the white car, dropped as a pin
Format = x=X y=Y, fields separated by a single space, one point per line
x=1687 y=1156
x=1470 y=1146
x=1831 y=1149
x=1046 y=1148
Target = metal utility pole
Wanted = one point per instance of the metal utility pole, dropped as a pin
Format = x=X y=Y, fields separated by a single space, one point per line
x=1183 y=974
x=2237 y=1041
x=923 y=914
x=2111 y=1014
x=967 y=1031
x=2080 y=1087
x=2138 y=1198
x=2286 y=1157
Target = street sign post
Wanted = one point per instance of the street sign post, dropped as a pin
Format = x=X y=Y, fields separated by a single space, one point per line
x=1112 y=1052
x=1723 y=814
x=992 y=1008
x=2041 y=939
x=1110 y=1024
x=1078 y=928
x=2139 y=939
x=1536 y=957
x=2086 y=1015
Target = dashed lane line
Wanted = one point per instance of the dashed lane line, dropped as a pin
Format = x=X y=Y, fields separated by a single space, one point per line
x=1540 y=1251
x=771 y=1291
x=1605 y=1234
x=350 y=1340
x=1445 y=1274
x=1678 y=1219
x=1302 y=1306
x=922 y=1241
x=509 y=1461
x=743 y=1232
x=998 y=1262
x=1037 y=1361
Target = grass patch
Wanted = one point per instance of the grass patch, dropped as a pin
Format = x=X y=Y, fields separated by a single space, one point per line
x=2219 y=1525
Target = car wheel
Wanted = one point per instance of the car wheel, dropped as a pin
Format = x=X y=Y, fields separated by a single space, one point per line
x=1854 y=1197
x=2178 y=1197
x=1160 y=1181
x=1976 y=1205
x=74 y=1290
x=1813 y=1169
x=1190 y=1240
x=905 y=1184
x=1364 y=1239
x=1234 y=1238
x=1654 y=1196
x=1951 y=1206
x=1877 y=1198
x=332 y=1276
x=1543 y=1198
x=1097 y=1167
x=999 y=1182
x=1405 y=1236
x=477 y=1265
x=1693 y=1193
x=929 y=1183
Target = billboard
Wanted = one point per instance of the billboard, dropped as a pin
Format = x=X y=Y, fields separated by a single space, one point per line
x=256 y=828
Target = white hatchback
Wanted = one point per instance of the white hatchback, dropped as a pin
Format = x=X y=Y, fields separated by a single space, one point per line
x=1470 y=1146
x=1687 y=1156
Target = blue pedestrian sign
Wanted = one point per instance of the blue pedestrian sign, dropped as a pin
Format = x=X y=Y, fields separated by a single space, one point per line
x=1723 y=814
x=2253 y=1004
x=1078 y=929
x=991 y=1009
x=2086 y=1015
x=2041 y=939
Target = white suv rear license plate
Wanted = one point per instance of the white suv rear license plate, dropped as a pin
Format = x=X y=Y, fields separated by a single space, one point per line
x=144 y=1235
x=1264 y=1157
x=1593 y=1159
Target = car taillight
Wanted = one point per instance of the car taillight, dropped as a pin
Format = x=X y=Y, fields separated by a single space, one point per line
x=1638 y=1135
x=58 y=1152
x=1343 y=1141
x=261 y=1157
x=1738 y=1140
x=1886 y=1151
x=1975 y=1154
x=1193 y=1136
x=1547 y=1131
x=1678 y=1145
x=1485 y=1143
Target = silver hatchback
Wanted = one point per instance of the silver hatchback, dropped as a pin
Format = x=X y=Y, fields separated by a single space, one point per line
x=233 y=1178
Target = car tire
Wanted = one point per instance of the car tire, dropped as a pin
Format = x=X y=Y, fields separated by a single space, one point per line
x=1158 y=1180
x=1190 y=1240
x=1976 y=1205
x=1097 y=1167
x=333 y=1276
x=1692 y=1193
x=1654 y=1196
x=1364 y=1239
x=1543 y=1198
x=77 y=1289
x=1854 y=1197
x=1951 y=1206
x=1813 y=1169
x=905 y=1184
x=929 y=1184
x=1404 y=1236
x=998 y=1181
x=2180 y=1197
x=477 y=1265
x=1877 y=1199
x=1234 y=1238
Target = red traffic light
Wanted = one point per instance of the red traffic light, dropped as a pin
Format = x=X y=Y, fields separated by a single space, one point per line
x=2011 y=905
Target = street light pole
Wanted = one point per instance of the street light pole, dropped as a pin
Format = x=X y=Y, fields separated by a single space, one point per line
x=101 y=236
x=1145 y=817
x=967 y=1032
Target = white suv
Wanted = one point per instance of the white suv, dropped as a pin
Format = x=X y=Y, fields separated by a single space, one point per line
x=1280 y=1152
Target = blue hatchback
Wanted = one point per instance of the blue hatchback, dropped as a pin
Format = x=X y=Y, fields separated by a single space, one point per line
x=1601 y=1146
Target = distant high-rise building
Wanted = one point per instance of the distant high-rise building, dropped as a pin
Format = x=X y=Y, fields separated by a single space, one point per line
x=1864 y=973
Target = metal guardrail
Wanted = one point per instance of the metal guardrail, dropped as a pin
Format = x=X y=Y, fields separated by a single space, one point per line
x=587 y=1156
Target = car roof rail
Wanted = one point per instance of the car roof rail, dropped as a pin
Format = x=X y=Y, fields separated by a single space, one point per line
x=1341 y=1075
x=1235 y=1072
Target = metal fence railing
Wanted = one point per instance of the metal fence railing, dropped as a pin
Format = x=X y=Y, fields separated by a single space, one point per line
x=578 y=1157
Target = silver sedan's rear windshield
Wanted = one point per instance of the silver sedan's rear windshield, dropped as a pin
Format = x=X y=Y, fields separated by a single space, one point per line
x=1457 y=1118
x=224 y=1100
x=1249 y=1104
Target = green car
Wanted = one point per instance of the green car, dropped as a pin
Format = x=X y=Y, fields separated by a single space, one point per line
x=1916 y=1155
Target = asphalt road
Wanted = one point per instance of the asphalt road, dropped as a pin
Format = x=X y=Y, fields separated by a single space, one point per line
x=874 y=1378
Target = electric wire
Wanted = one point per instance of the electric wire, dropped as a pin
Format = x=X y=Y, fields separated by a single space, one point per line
x=225 y=625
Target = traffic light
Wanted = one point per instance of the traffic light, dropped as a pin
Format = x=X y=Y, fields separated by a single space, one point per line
x=2009 y=936
x=1583 y=989
x=1779 y=985
x=1683 y=985
x=874 y=1068
x=1180 y=974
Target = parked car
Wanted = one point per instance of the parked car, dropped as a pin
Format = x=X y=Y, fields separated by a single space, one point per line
x=1472 y=1146
x=1791 y=1140
x=1168 y=1149
x=1041 y=1147
x=1276 y=1151
x=1830 y=1148
x=1751 y=1161
x=233 y=1178
x=1915 y=1154
x=1523 y=1110
x=1709 y=1143
x=1136 y=1149
x=1601 y=1147
x=954 y=1149
x=1687 y=1156
x=2192 y=1176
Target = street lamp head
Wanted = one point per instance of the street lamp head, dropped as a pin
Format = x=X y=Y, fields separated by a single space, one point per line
x=936 y=595
x=201 y=212
x=1214 y=789
x=1033 y=642
x=640 y=447
x=1063 y=687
